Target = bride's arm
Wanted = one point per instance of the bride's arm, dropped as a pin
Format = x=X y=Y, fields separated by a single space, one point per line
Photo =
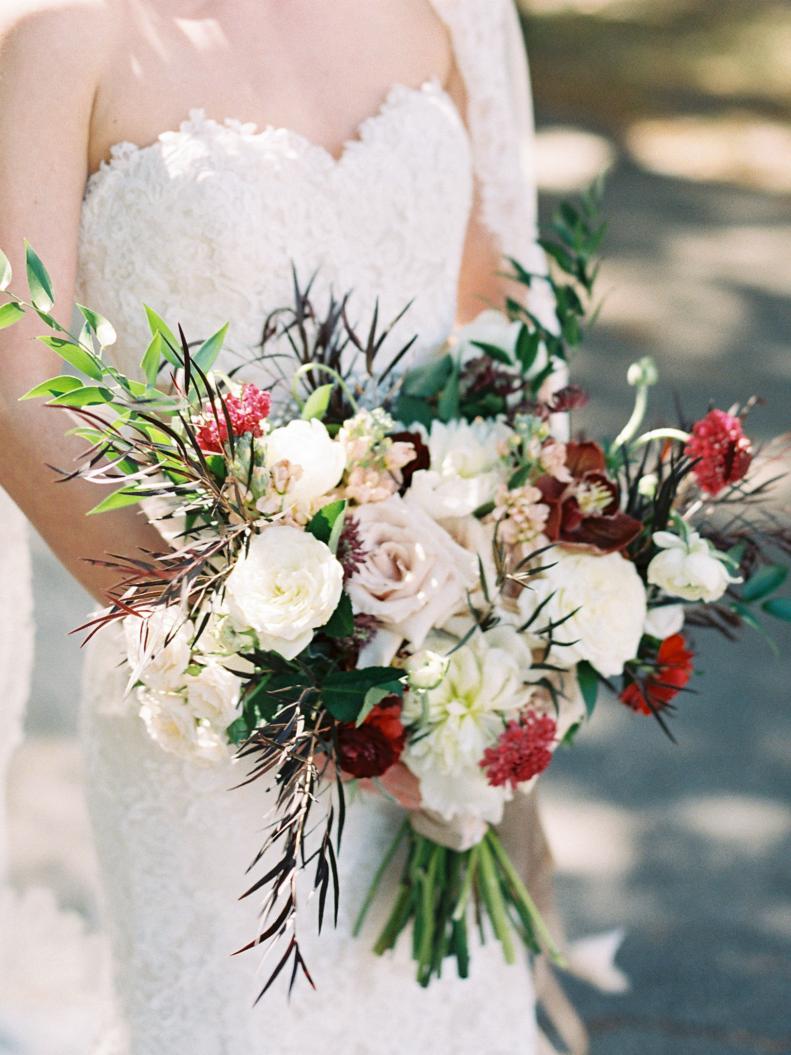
x=50 y=64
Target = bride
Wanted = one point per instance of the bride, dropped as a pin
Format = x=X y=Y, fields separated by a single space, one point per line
x=183 y=153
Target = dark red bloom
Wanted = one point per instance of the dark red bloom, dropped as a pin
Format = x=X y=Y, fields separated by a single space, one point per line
x=351 y=551
x=246 y=413
x=724 y=452
x=422 y=459
x=572 y=397
x=673 y=671
x=372 y=748
x=522 y=752
x=587 y=512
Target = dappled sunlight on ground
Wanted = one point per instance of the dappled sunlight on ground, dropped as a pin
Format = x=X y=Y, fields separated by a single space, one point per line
x=570 y=159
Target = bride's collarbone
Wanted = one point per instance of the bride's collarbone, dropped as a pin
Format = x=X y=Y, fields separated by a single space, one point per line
x=316 y=69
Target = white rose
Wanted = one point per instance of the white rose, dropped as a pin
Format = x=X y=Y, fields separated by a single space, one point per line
x=465 y=468
x=213 y=695
x=689 y=568
x=158 y=648
x=170 y=724
x=414 y=575
x=664 y=620
x=610 y=600
x=284 y=588
x=426 y=669
x=494 y=327
x=308 y=445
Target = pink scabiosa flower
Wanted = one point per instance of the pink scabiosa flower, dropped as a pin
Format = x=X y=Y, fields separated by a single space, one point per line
x=723 y=451
x=522 y=752
x=246 y=413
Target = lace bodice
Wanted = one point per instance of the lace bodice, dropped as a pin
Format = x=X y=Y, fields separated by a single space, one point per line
x=205 y=223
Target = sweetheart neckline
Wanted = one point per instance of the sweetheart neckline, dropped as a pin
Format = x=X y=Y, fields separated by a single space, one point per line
x=197 y=121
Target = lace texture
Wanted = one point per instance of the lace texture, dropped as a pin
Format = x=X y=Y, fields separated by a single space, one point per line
x=203 y=225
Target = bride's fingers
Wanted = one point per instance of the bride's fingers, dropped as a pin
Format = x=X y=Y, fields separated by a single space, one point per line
x=397 y=782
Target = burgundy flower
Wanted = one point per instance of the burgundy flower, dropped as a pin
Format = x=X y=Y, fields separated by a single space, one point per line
x=522 y=752
x=673 y=671
x=422 y=459
x=586 y=512
x=372 y=748
x=724 y=452
x=351 y=551
x=246 y=413
x=572 y=397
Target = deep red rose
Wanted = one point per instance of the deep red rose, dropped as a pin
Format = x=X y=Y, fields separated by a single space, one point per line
x=673 y=670
x=372 y=748
x=246 y=413
x=522 y=752
x=603 y=526
x=724 y=453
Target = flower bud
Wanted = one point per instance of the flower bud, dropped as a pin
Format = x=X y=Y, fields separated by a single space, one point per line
x=426 y=669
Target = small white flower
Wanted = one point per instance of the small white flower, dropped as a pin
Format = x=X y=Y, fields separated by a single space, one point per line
x=690 y=568
x=159 y=648
x=608 y=600
x=426 y=669
x=170 y=723
x=213 y=695
x=664 y=620
x=307 y=444
x=284 y=588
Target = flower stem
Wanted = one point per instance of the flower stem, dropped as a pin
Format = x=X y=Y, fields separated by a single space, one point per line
x=494 y=902
x=661 y=434
x=321 y=367
x=377 y=879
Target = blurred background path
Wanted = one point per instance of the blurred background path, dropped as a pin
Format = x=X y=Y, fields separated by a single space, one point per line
x=688 y=102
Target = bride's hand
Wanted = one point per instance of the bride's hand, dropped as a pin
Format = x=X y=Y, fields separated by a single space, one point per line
x=398 y=782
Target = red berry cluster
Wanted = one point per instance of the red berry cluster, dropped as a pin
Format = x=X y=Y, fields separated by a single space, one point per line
x=723 y=451
x=522 y=752
x=246 y=413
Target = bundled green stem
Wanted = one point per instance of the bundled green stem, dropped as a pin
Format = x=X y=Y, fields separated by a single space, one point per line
x=441 y=890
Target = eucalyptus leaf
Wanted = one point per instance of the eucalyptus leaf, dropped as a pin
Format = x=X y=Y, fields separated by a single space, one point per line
x=588 y=681
x=152 y=359
x=170 y=343
x=765 y=581
x=102 y=328
x=494 y=351
x=317 y=402
x=779 y=607
x=10 y=313
x=89 y=395
x=6 y=274
x=55 y=386
x=38 y=281
x=120 y=499
x=448 y=406
x=76 y=356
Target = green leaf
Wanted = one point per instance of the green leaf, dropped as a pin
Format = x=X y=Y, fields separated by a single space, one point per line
x=10 y=313
x=373 y=698
x=448 y=406
x=102 y=329
x=89 y=395
x=322 y=525
x=411 y=410
x=588 y=681
x=6 y=274
x=171 y=345
x=38 y=281
x=317 y=402
x=500 y=355
x=344 y=692
x=341 y=622
x=152 y=359
x=765 y=581
x=527 y=346
x=124 y=496
x=206 y=355
x=519 y=477
x=55 y=386
x=779 y=607
x=427 y=380
x=80 y=358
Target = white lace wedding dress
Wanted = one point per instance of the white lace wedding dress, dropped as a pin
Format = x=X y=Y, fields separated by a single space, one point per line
x=203 y=225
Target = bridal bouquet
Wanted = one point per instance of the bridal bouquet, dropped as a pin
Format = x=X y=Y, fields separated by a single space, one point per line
x=369 y=568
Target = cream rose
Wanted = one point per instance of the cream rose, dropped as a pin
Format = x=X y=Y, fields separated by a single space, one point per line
x=158 y=648
x=213 y=695
x=284 y=588
x=608 y=599
x=414 y=576
x=689 y=567
x=171 y=724
x=321 y=459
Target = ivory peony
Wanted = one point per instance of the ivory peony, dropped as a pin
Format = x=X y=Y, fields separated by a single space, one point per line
x=688 y=568
x=414 y=576
x=608 y=597
x=284 y=588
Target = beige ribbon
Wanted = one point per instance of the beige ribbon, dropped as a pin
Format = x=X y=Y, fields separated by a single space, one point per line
x=523 y=836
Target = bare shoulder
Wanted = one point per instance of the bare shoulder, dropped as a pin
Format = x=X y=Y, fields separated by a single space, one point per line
x=47 y=33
